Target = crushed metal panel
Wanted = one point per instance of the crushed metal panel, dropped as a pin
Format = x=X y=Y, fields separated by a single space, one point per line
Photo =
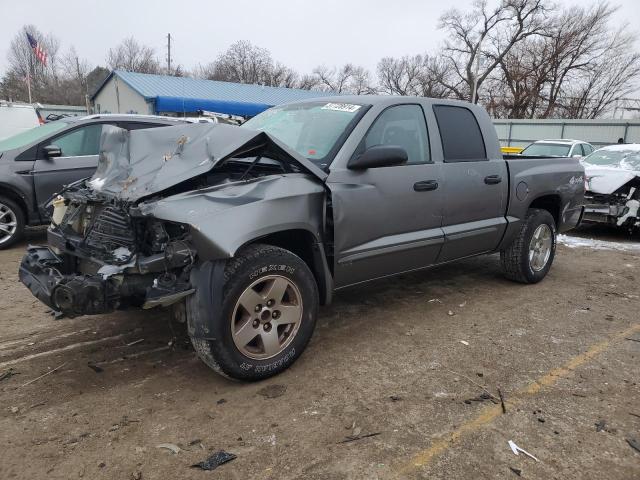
x=135 y=164
x=606 y=180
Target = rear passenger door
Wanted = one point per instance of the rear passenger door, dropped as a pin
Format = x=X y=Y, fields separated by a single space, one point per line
x=475 y=187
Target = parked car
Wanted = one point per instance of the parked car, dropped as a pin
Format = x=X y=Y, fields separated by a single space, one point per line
x=558 y=148
x=16 y=118
x=613 y=186
x=36 y=163
x=244 y=231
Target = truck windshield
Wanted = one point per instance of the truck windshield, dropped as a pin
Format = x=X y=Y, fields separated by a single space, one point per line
x=315 y=129
x=626 y=159
x=31 y=136
x=547 y=149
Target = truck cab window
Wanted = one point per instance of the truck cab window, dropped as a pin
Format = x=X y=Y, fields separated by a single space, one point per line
x=460 y=133
x=403 y=126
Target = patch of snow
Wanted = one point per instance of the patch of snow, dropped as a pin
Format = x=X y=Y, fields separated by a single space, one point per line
x=579 y=242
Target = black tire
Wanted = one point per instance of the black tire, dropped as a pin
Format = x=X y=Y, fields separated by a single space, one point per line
x=515 y=258
x=6 y=204
x=250 y=265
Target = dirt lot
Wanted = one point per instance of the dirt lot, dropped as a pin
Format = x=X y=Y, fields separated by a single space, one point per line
x=388 y=358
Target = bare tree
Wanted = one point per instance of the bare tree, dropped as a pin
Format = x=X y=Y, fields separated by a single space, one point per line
x=578 y=67
x=133 y=57
x=346 y=79
x=22 y=62
x=481 y=38
x=420 y=75
x=243 y=62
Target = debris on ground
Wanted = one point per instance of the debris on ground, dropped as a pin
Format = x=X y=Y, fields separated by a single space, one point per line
x=353 y=438
x=395 y=398
x=634 y=443
x=272 y=391
x=95 y=367
x=464 y=342
x=517 y=471
x=196 y=442
x=632 y=339
x=487 y=392
x=517 y=450
x=44 y=375
x=8 y=374
x=221 y=401
x=451 y=313
x=15 y=409
x=481 y=398
x=435 y=300
x=601 y=426
x=169 y=446
x=215 y=460
x=504 y=408
x=635 y=414
x=137 y=475
x=135 y=342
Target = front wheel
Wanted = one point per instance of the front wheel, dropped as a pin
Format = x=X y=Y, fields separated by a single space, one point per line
x=12 y=223
x=529 y=257
x=268 y=315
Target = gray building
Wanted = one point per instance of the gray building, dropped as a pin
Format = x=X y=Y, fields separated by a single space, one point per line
x=128 y=92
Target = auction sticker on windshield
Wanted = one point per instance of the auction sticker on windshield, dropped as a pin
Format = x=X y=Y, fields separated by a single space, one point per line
x=342 y=107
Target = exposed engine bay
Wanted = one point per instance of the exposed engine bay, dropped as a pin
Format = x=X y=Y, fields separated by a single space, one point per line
x=620 y=208
x=107 y=248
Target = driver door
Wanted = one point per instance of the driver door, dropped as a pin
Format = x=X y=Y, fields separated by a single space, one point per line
x=387 y=220
x=78 y=159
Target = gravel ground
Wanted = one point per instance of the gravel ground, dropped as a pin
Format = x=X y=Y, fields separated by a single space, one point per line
x=414 y=360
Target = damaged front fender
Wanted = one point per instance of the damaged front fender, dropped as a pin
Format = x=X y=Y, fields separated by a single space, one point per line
x=223 y=218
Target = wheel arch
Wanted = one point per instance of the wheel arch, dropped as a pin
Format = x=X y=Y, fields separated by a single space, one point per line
x=13 y=194
x=551 y=203
x=306 y=245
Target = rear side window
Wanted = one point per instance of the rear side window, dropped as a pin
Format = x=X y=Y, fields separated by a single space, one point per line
x=460 y=133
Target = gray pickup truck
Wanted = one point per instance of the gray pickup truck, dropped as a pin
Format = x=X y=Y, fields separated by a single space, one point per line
x=245 y=231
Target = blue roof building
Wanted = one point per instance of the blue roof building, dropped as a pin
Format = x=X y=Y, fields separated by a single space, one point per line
x=129 y=92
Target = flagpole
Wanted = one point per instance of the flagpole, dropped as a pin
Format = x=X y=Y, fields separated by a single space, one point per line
x=29 y=82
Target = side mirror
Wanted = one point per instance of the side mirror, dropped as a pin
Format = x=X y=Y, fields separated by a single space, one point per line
x=379 y=156
x=52 y=151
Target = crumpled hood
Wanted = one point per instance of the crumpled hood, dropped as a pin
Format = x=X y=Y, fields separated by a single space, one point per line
x=135 y=164
x=606 y=180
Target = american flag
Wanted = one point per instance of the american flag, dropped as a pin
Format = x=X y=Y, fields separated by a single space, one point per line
x=37 y=49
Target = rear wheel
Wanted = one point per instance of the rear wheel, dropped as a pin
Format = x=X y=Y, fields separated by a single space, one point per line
x=268 y=315
x=11 y=222
x=530 y=256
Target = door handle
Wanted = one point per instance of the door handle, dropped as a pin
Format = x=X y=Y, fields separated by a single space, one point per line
x=492 y=179
x=425 y=185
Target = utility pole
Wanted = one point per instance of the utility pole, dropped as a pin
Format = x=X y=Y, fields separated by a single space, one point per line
x=168 y=53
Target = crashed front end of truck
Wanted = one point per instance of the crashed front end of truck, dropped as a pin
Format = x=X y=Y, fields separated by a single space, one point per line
x=613 y=186
x=160 y=203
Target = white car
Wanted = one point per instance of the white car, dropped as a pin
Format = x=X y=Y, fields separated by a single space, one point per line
x=612 y=177
x=16 y=118
x=558 y=148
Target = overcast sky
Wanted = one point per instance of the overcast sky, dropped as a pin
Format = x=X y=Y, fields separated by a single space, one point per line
x=300 y=34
